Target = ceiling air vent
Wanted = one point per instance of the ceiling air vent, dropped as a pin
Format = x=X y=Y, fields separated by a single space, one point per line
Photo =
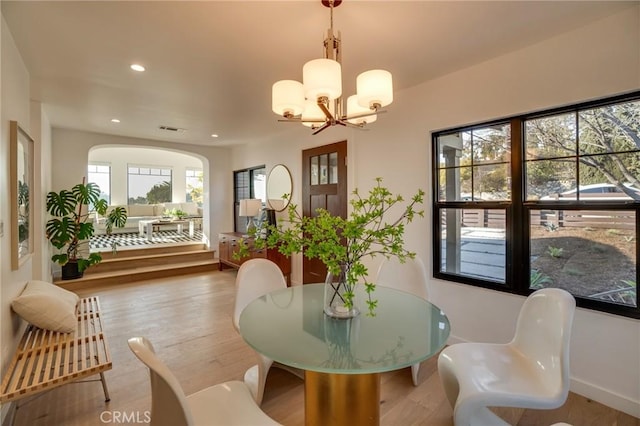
x=172 y=129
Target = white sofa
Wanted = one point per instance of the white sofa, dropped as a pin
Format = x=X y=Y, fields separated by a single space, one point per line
x=138 y=212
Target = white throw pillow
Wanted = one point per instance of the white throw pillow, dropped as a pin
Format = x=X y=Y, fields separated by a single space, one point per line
x=47 y=306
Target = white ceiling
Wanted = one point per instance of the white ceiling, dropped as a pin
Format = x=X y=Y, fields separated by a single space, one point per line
x=210 y=64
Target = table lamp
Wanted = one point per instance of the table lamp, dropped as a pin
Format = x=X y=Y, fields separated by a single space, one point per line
x=250 y=208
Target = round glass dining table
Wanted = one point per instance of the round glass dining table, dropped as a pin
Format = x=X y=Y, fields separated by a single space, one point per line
x=343 y=358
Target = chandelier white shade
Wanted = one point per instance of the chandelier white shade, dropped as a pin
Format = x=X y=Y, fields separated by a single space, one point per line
x=322 y=77
x=374 y=87
x=287 y=98
x=317 y=102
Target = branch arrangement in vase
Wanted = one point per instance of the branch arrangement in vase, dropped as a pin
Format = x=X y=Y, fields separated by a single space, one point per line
x=341 y=243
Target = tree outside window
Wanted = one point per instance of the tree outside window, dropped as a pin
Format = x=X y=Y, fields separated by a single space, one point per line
x=550 y=199
x=195 y=186
x=149 y=185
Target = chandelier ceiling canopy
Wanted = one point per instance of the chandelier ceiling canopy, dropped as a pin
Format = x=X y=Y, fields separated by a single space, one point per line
x=317 y=102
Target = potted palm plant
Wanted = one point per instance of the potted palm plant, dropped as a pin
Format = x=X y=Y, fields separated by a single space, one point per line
x=70 y=228
x=341 y=244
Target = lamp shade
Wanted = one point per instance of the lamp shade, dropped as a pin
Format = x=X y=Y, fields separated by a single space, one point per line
x=353 y=108
x=250 y=207
x=242 y=211
x=287 y=97
x=253 y=206
x=322 y=77
x=374 y=87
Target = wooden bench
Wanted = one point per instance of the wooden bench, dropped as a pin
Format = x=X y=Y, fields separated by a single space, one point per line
x=47 y=359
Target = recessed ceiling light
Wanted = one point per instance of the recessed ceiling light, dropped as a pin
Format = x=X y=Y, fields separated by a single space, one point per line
x=137 y=67
x=214 y=135
x=115 y=120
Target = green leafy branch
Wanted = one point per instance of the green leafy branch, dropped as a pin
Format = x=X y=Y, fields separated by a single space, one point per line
x=337 y=241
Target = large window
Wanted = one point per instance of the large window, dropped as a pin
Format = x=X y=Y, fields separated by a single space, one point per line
x=100 y=174
x=148 y=185
x=550 y=199
x=194 y=181
x=247 y=183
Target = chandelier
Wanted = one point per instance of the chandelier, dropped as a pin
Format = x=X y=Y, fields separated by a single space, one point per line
x=317 y=102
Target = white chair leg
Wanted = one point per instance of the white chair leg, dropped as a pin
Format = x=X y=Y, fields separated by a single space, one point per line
x=415 y=369
x=263 y=369
x=256 y=377
x=251 y=380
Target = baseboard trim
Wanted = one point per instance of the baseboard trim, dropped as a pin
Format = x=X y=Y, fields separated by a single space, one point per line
x=591 y=391
x=606 y=397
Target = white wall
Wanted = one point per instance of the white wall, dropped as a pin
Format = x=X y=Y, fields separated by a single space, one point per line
x=595 y=61
x=73 y=147
x=41 y=134
x=14 y=105
x=119 y=158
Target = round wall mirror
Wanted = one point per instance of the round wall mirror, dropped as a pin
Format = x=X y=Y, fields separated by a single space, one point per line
x=278 y=184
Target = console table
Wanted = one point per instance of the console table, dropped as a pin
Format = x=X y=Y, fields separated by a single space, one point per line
x=228 y=245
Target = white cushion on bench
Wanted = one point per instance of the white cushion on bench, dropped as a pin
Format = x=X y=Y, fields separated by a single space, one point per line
x=47 y=306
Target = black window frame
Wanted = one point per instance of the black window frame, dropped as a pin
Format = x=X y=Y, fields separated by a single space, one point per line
x=517 y=211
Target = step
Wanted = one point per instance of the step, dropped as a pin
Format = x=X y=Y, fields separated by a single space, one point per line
x=151 y=250
x=138 y=274
x=144 y=259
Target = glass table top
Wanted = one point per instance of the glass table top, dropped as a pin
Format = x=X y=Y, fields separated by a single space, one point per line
x=289 y=326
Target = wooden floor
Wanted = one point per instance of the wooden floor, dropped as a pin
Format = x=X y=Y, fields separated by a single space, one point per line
x=188 y=319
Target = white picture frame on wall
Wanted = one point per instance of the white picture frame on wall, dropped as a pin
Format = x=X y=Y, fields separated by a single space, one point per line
x=21 y=176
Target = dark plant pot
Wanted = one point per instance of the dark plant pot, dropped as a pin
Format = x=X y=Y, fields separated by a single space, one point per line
x=70 y=271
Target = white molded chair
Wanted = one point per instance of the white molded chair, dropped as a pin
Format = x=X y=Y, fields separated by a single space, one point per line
x=409 y=276
x=227 y=404
x=531 y=371
x=257 y=277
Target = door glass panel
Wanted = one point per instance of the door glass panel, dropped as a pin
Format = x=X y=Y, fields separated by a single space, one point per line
x=333 y=167
x=314 y=170
x=324 y=169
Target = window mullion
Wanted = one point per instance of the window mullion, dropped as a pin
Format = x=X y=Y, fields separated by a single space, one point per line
x=517 y=229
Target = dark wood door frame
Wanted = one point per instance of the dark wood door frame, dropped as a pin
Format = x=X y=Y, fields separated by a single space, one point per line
x=330 y=196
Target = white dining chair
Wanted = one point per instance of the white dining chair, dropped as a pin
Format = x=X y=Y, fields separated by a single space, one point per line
x=257 y=277
x=531 y=371
x=224 y=404
x=410 y=277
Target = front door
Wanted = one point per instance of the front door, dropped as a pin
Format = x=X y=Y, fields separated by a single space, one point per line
x=324 y=185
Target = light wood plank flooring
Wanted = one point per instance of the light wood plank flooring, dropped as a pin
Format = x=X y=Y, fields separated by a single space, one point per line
x=188 y=319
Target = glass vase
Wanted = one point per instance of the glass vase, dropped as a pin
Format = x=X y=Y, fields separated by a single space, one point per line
x=335 y=298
